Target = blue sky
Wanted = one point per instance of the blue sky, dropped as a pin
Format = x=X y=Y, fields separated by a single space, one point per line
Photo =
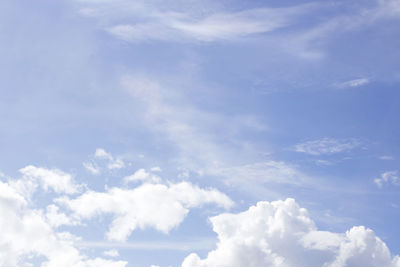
x=136 y=133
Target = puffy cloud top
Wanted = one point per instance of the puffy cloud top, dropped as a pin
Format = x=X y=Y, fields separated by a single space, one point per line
x=281 y=233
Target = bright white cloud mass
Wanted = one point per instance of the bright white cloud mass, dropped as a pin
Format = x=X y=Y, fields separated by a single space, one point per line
x=199 y=133
x=280 y=233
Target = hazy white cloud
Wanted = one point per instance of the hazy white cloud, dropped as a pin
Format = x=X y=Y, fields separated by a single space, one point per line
x=113 y=163
x=281 y=233
x=142 y=176
x=111 y=253
x=91 y=167
x=190 y=130
x=213 y=26
x=259 y=173
x=386 y=158
x=159 y=206
x=389 y=177
x=326 y=146
x=155 y=169
x=355 y=83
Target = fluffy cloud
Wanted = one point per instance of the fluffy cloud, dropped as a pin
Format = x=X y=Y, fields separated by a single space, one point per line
x=47 y=179
x=280 y=233
x=142 y=175
x=160 y=206
x=326 y=146
x=26 y=235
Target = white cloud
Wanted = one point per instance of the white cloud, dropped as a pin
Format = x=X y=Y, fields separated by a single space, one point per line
x=207 y=27
x=227 y=26
x=142 y=176
x=355 y=83
x=389 y=177
x=159 y=206
x=111 y=161
x=92 y=168
x=26 y=235
x=54 y=179
x=156 y=169
x=56 y=218
x=326 y=146
x=280 y=233
x=111 y=253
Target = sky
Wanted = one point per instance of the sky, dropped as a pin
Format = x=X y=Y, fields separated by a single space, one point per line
x=199 y=133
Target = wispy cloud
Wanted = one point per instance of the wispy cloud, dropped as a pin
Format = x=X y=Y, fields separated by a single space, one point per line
x=389 y=177
x=386 y=158
x=101 y=160
x=354 y=83
x=327 y=146
x=150 y=22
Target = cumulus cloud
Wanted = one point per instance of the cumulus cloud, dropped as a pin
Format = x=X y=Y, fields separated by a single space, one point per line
x=326 y=146
x=27 y=235
x=158 y=206
x=56 y=218
x=280 y=233
x=48 y=179
x=389 y=177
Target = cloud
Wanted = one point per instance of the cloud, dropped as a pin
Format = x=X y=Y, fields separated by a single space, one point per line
x=189 y=129
x=180 y=25
x=92 y=168
x=327 y=146
x=355 y=83
x=228 y=26
x=386 y=158
x=27 y=235
x=113 y=163
x=142 y=176
x=158 y=206
x=389 y=177
x=48 y=179
x=280 y=233
x=156 y=169
x=102 y=159
x=111 y=253
x=56 y=219
x=263 y=172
